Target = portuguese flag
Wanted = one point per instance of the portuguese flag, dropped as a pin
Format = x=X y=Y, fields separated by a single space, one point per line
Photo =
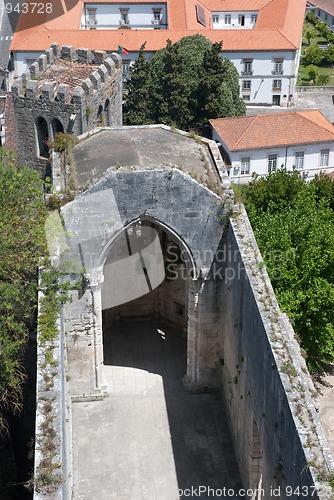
x=122 y=50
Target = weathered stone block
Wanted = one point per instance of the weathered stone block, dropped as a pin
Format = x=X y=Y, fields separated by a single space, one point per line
x=99 y=56
x=84 y=55
x=87 y=86
x=31 y=90
x=110 y=65
x=48 y=89
x=34 y=70
x=95 y=79
x=68 y=52
x=56 y=49
x=63 y=93
x=42 y=62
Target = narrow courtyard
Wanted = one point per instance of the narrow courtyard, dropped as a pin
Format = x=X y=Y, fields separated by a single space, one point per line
x=150 y=440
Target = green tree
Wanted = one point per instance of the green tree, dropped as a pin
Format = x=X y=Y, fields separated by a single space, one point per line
x=218 y=97
x=136 y=108
x=324 y=31
x=313 y=55
x=322 y=80
x=22 y=243
x=313 y=72
x=169 y=96
x=308 y=34
x=294 y=225
x=176 y=74
x=329 y=55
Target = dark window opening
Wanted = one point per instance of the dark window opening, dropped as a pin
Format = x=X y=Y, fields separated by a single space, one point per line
x=42 y=137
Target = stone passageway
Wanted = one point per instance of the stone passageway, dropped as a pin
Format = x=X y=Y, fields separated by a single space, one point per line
x=149 y=439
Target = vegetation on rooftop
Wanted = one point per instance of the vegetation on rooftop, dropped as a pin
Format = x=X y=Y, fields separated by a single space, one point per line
x=293 y=221
x=183 y=85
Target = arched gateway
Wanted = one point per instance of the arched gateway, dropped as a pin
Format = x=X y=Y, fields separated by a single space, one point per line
x=181 y=287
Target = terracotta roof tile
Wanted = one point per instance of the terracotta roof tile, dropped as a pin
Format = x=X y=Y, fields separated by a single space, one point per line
x=325 y=5
x=278 y=27
x=273 y=130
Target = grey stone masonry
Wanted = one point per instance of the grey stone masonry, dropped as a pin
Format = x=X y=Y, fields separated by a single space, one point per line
x=65 y=91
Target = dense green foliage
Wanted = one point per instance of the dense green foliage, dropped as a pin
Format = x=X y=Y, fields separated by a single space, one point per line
x=294 y=225
x=183 y=85
x=317 y=51
x=22 y=243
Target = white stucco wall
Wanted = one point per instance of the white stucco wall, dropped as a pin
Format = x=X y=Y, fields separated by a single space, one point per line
x=24 y=59
x=263 y=63
x=140 y=16
x=325 y=17
x=285 y=157
x=234 y=20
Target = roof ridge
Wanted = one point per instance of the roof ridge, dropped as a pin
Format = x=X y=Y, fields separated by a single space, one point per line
x=312 y=121
x=38 y=28
x=249 y=126
x=286 y=38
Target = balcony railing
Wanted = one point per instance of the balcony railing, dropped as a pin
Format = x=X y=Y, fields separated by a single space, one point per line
x=247 y=72
x=277 y=72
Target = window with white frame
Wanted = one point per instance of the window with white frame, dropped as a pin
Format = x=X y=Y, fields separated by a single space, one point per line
x=248 y=69
x=246 y=85
x=277 y=84
x=227 y=19
x=244 y=165
x=246 y=97
x=91 y=17
x=124 y=16
x=215 y=18
x=241 y=19
x=326 y=17
x=126 y=67
x=299 y=159
x=272 y=162
x=157 y=16
x=324 y=158
x=278 y=67
x=253 y=18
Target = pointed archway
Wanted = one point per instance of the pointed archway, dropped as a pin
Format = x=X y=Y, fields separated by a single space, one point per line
x=167 y=303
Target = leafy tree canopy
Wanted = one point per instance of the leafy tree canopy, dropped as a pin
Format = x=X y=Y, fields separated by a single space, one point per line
x=22 y=243
x=293 y=221
x=313 y=55
x=183 y=85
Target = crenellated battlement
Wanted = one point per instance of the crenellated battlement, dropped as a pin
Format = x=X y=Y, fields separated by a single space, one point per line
x=42 y=81
x=65 y=90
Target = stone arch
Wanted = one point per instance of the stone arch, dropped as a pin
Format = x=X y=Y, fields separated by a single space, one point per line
x=178 y=313
x=42 y=136
x=107 y=112
x=100 y=117
x=56 y=126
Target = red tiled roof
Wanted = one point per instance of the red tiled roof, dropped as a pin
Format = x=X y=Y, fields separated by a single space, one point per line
x=273 y=130
x=279 y=27
x=325 y=5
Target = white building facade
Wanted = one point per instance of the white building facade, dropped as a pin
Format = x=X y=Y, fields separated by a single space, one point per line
x=312 y=158
x=107 y=16
x=262 y=42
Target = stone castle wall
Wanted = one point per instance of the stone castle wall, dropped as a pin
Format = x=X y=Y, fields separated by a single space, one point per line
x=38 y=95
